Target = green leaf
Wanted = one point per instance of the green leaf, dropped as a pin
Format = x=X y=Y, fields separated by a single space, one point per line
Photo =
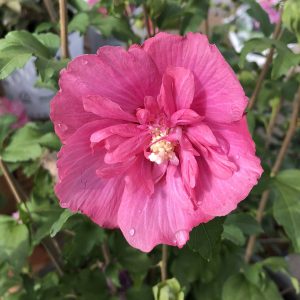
x=239 y=288
x=245 y=222
x=233 y=234
x=14 y=242
x=26 y=143
x=261 y=16
x=113 y=26
x=28 y=42
x=289 y=178
x=168 y=290
x=17 y=48
x=50 y=40
x=287 y=204
x=5 y=126
x=256 y=44
x=79 y=23
x=87 y=236
x=189 y=266
x=291 y=16
x=205 y=237
x=7 y=282
x=283 y=61
x=9 y=63
x=137 y=293
x=63 y=218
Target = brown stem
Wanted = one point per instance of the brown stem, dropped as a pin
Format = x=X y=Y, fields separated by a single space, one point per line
x=206 y=24
x=51 y=11
x=288 y=137
x=274 y=171
x=53 y=253
x=63 y=19
x=105 y=252
x=147 y=21
x=263 y=73
x=10 y=181
x=272 y=123
x=164 y=260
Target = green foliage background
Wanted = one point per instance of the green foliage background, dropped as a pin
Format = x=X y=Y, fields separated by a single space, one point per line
x=93 y=263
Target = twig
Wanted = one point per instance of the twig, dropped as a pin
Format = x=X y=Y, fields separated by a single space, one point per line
x=63 y=19
x=274 y=241
x=147 y=20
x=48 y=244
x=53 y=253
x=206 y=24
x=106 y=255
x=266 y=66
x=164 y=260
x=288 y=137
x=10 y=181
x=51 y=11
x=274 y=171
x=272 y=123
x=105 y=252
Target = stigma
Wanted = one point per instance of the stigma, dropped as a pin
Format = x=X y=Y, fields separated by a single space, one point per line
x=161 y=149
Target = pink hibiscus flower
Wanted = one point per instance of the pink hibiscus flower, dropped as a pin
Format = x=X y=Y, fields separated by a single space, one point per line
x=269 y=6
x=155 y=138
x=15 y=108
x=92 y=2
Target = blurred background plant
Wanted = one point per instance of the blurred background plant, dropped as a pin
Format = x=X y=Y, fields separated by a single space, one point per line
x=49 y=253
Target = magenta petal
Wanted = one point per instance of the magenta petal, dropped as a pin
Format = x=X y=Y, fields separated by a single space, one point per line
x=147 y=220
x=177 y=90
x=105 y=108
x=189 y=168
x=185 y=117
x=217 y=196
x=126 y=77
x=79 y=187
x=218 y=93
x=128 y=149
x=123 y=130
x=201 y=135
x=220 y=165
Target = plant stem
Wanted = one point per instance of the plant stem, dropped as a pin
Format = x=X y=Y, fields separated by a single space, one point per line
x=63 y=19
x=10 y=181
x=206 y=24
x=51 y=11
x=147 y=20
x=164 y=260
x=263 y=73
x=274 y=171
x=105 y=252
x=272 y=123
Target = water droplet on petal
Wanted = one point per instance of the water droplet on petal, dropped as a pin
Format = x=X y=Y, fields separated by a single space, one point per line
x=84 y=62
x=62 y=127
x=237 y=156
x=131 y=232
x=181 y=237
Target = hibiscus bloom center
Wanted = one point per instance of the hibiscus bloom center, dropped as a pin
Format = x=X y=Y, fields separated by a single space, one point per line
x=161 y=149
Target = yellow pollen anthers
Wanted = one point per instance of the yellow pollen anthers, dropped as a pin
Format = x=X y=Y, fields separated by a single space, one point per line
x=161 y=149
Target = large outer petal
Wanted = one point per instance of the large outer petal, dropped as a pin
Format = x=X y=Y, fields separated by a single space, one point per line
x=124 y=77
x=216 y=196
x=164 y=217
x=79 y=187
x=218 y=93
